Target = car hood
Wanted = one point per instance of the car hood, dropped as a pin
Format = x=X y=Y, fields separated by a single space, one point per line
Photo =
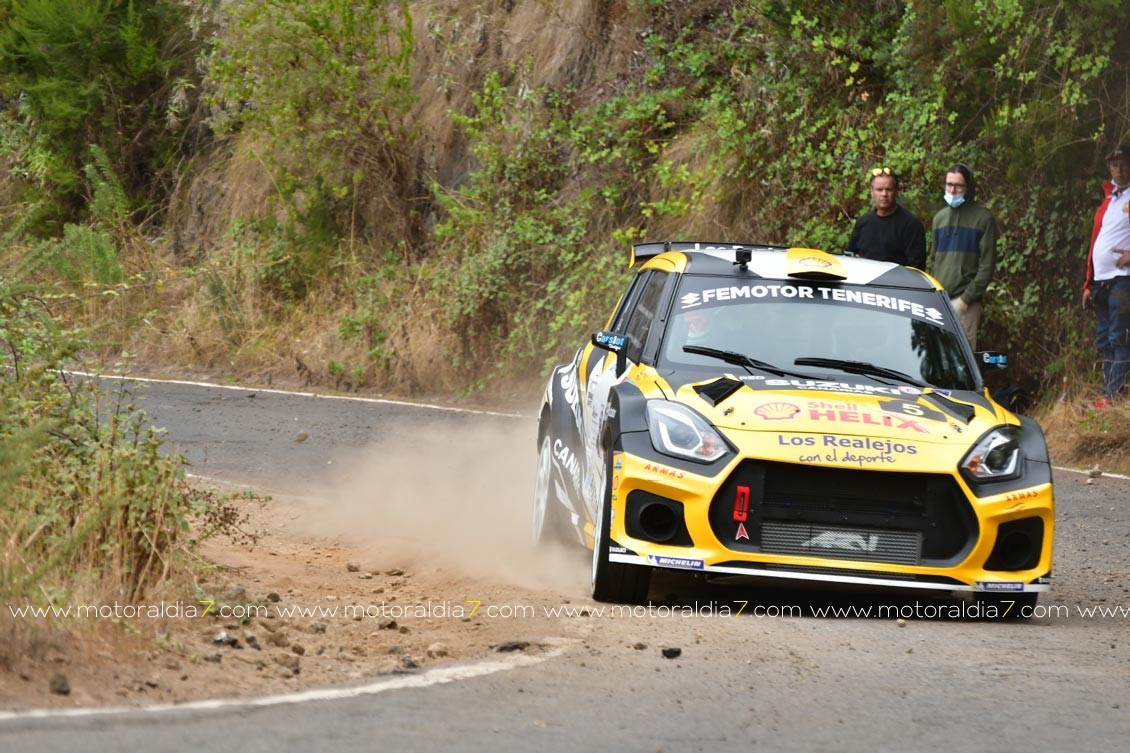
x=845 y=406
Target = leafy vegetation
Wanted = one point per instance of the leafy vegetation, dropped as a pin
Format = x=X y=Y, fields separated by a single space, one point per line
x=424 y=196
x=321 y=89
x=760 y=120
x=114 y=75
x=439 y=197
x=89 y=505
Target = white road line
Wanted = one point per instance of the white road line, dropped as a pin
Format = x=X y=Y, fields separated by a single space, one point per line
x=385 y=401
x=438 y=676
x=258 y=489
x=1104 y=474
x=223 y=482
x=240 y=388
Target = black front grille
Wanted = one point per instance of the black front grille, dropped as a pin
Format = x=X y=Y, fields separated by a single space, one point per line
x=840 y=513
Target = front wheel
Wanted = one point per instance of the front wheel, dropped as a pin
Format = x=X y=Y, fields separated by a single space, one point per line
x=548 y=525
x=614 y=581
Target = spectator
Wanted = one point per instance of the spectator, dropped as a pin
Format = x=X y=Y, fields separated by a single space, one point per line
x=1107 y=287
x=965 y=248
x=888 y=232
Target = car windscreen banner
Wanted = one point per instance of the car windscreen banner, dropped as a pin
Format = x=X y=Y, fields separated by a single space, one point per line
x=709 y=292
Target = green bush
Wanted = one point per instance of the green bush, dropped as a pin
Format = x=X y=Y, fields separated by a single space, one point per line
x=89 y=504
x=518 y=246
x=759 y=120
x=751 y=120
x=79 y=73
x=321 y=88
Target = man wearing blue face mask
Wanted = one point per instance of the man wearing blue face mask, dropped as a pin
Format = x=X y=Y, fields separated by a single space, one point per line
x=965 y=248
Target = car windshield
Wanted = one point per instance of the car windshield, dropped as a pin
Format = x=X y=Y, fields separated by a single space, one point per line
x=778 y=322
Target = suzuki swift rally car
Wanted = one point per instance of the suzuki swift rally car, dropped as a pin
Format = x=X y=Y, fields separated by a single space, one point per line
x=791 y=414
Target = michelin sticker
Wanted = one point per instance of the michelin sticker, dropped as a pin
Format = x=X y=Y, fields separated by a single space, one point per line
x=989 y=585
x=682 y=562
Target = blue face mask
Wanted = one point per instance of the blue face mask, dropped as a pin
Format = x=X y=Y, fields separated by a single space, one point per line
x=955 y=199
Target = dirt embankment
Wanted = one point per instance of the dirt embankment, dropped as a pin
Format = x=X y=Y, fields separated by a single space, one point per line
x=407 y=562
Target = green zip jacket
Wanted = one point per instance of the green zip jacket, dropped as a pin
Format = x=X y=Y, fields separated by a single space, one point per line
x=965 y=250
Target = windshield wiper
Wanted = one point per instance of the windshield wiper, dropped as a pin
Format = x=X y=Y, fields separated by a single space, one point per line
x=741 y=359
x=860 y=367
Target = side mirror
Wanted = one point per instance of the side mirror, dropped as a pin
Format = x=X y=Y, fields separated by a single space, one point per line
x=990 y=359
x=613 y=342
x=610 y=341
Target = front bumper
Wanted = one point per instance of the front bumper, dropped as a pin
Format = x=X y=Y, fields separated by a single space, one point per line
x=898 y=528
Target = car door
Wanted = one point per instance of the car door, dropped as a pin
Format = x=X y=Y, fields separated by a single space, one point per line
x=635 y=321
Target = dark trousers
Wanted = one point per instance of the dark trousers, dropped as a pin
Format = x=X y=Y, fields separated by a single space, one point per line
x=1112 y=307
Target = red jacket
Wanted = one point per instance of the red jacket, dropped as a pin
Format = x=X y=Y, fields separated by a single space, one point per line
x=1108 y=189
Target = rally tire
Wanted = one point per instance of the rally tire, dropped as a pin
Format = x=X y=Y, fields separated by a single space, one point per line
x=614 y=581
x=548 y=522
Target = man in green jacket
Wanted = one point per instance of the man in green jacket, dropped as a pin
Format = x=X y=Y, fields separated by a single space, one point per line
x=965 y=248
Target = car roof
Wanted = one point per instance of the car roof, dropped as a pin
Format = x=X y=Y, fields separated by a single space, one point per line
x=778 y=263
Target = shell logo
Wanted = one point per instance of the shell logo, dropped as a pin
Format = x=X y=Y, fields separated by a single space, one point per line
x=812 y=261
x=776 y=411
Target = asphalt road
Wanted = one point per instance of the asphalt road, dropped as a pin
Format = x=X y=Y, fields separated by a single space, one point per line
x=774 y=683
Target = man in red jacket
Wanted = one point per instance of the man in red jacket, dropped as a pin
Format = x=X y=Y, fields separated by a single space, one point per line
x=1107 y=287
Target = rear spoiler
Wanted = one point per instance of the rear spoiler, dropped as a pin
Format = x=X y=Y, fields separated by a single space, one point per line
x=641 y=252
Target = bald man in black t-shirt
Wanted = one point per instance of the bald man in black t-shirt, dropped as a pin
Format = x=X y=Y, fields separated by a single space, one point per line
x=888 y=232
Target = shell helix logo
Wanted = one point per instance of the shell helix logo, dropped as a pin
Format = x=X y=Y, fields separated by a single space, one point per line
x=777 y=411
x=814 y=262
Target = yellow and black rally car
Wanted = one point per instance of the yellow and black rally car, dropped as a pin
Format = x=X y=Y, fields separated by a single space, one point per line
x=784 y=413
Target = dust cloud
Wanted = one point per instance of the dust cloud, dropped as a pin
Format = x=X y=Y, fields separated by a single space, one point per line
x=452 y=495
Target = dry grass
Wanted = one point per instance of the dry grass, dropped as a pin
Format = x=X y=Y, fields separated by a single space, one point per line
x=1081 y=436
x=226 y=323
x=230 y=183
x=219 y=320
x=23 y=639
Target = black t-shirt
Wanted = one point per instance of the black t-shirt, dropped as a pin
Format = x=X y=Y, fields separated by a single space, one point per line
x=899 y=237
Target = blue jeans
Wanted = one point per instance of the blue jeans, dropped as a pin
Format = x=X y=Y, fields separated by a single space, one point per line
x=1112 y=306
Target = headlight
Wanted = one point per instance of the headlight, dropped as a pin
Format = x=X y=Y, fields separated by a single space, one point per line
x=680 y=432
x=995 y=457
